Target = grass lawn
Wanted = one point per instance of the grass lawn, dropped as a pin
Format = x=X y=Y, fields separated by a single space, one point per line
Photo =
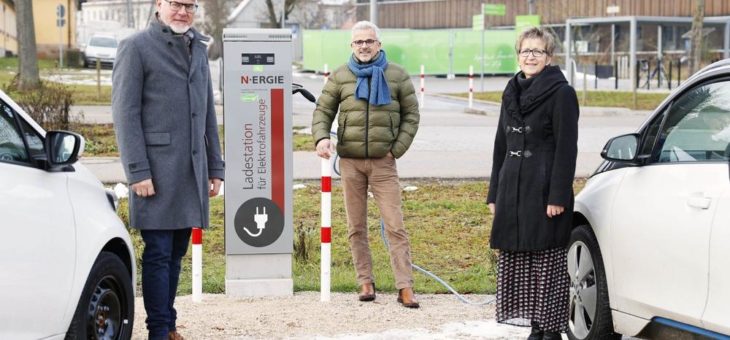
x=89 y=95
x=82 y=94
x=101 y=140
x=448 y=223
x=645 y=101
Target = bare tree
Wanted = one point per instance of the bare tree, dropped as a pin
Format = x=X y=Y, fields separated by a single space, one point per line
x=216 y=19
x=313 y=14
x=696 y=41
x=28 y=60
x=309 y=14
x=275 y=17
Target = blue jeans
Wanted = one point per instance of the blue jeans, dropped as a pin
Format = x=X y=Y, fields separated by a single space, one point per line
x=163 y=252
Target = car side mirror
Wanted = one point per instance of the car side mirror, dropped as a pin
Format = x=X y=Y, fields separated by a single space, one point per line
x=62 y=148
x=621 y=149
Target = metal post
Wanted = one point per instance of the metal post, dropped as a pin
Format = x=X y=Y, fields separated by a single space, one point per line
x=60 y=47
x=482 y=60
x=615 y=75
x=613 y=43
x=669 y=81
x=568 y=49
x=130 y=18
x=632 y=53
x=374 y=11
x=595 y=74
x=726 y=41
x=635 y=83
x=451 y=56
x=679 y=72
x=326 y=231
x=471 y=86
x=648 y=74
x=423 y=85
x=98 y=78
x=585 y=85
x=659 y=49
x=197 y=264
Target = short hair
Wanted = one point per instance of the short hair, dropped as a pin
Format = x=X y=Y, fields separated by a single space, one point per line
x=537 y=33
x=366 y=25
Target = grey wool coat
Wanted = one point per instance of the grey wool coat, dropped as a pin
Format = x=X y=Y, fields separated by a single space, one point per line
x=164 y=117
x=535 y=149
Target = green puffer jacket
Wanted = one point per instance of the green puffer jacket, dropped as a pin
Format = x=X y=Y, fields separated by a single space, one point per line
x=365 y=130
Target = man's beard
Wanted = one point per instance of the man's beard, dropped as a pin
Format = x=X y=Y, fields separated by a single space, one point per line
x=179 y=29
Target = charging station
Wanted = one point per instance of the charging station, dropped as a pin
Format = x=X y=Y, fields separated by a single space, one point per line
x=258 y=153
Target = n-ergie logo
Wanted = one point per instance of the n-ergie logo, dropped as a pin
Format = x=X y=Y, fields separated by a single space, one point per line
x=255 y=80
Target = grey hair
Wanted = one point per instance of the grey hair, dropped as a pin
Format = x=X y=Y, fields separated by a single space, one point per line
x=537 y=33
x=366 y=25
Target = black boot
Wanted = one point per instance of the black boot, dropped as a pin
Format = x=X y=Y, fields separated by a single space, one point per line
x=536 y=333
x=551 y=336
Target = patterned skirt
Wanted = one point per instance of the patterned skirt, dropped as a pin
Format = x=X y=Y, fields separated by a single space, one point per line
x=533 y=287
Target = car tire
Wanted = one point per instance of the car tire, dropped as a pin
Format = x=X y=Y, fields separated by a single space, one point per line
x=588 y=289
x=106 y=307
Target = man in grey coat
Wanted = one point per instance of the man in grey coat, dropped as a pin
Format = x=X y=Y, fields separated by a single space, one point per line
x=164 y=115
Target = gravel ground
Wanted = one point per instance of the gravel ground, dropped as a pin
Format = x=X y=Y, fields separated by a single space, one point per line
x=303 y=316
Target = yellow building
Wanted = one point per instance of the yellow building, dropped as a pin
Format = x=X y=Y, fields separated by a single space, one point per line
x=8 y=31
x=47 y=34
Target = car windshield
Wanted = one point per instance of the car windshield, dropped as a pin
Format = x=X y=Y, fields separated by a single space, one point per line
x=103 y=42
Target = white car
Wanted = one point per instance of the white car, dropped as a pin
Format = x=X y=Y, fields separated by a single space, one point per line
x=67 y=264
x=103 y=48
x=650 y=254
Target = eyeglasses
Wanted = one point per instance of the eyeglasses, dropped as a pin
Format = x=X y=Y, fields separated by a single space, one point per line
x=177 y=6
x=368 y=42
x=535 y=53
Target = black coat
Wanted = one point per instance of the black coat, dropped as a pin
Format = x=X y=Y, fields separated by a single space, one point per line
x=534 y=163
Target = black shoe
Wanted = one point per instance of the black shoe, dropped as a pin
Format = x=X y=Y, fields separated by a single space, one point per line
x=536 y=333
x=552 y=336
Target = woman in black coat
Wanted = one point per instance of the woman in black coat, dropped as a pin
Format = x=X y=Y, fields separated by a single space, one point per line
x=531 y=190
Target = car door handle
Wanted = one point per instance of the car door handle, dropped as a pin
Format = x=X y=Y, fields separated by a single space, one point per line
x=699 y=202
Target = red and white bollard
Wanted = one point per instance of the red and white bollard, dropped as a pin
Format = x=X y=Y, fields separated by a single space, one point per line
x=423 y=83
x=326 y=73
x=326 y=231
x=471 y=86
x=197 y=265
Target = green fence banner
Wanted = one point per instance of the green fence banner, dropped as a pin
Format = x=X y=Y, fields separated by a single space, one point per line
x=494 y=9
x=477 y=22
x=523 y=22
x=441 y=51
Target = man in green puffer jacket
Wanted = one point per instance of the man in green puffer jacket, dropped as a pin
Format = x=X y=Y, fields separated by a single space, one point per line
x=377 y=121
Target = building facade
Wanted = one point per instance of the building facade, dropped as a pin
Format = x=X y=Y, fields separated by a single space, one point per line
x=48 y=36
x=8 y=29
x=428 y=14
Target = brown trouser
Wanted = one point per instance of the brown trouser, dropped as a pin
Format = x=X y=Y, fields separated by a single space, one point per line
x=382 y=176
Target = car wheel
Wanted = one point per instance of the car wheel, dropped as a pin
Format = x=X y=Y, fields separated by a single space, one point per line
x=106 y=307
x=590 y=311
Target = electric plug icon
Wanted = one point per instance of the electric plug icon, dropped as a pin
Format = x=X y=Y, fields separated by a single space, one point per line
x=260 y=219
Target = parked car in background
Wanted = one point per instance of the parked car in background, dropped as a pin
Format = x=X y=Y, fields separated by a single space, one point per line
x=66 y=261
x=102 y=47
x=649 y=254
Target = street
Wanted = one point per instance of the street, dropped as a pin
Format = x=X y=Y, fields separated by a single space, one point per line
x=450 y=142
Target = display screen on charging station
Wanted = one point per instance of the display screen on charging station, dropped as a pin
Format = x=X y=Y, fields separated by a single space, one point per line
x=258 y=146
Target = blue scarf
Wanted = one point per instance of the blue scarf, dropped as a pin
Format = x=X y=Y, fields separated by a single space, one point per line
x=375 y=71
